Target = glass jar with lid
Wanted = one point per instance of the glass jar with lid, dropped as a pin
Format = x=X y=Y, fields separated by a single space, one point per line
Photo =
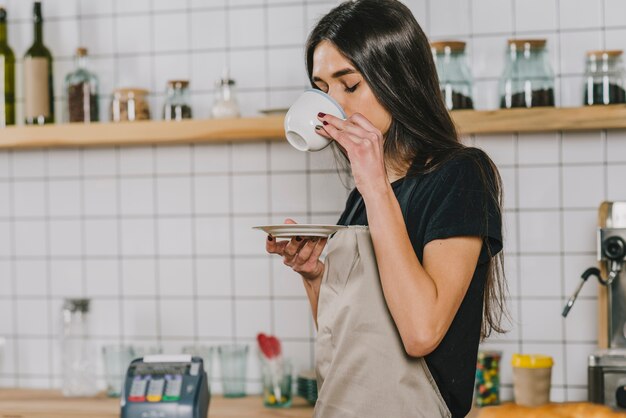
x=455 y=79
x=225 y=104
x=177 y=101
x=604 y=78
x=81 y=88
x=527 y=79
x=129 y=104
x=78 y=350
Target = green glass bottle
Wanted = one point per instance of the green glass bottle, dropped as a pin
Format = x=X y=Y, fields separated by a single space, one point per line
x=38 y=87
x=7 y=75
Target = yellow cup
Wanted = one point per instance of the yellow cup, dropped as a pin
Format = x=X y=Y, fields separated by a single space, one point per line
x=532 y=375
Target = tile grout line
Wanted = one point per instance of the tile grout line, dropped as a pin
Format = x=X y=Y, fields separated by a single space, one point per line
x=13 y=232
x=194 y=249
x=120 y=246
x=518 y=266
x=270 y=208
x=562 y=260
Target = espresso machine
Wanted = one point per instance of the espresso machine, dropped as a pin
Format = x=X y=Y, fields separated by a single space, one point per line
x=607 y=366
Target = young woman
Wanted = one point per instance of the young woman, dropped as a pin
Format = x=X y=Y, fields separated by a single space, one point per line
x=407 y=291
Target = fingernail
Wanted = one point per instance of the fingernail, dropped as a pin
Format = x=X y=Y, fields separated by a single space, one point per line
x=318 y=127
x=325 y=123
x=298 y=239
x=321 y=115
x=270 y=238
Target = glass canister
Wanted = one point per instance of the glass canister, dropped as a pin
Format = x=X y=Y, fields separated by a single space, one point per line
x=454 y=74
x=528 y=79
x=81 y=89
x=225 y=105
x=604 y=78
x=129 y=104
x=487 y=387
x=177 y=101
x=78 y=350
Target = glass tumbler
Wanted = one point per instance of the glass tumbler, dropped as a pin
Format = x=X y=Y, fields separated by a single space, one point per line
x=233 y=364
x=117 y=358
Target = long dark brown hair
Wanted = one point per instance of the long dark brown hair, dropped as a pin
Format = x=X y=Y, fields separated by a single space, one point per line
x=388 y=47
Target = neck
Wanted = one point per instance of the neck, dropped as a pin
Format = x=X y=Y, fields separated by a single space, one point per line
x=81 y=62
x=38 y=32
x=3 y=33
x=394 y=175
x=395 y=170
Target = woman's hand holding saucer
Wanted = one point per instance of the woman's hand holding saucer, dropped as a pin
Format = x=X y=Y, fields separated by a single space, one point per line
x=300 y=253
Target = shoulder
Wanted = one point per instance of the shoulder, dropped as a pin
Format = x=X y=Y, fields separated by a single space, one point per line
x=467 y=161
x=469 y=168
x=466 y=164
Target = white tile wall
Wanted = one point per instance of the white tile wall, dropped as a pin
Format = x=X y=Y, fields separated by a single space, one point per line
x=160 y=238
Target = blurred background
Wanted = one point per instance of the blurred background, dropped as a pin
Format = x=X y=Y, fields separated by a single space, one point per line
x=159 y=237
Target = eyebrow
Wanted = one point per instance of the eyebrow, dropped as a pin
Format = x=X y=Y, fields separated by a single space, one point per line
x=338 y=74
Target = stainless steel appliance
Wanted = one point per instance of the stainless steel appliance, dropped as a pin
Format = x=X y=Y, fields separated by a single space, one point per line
x=607 y=367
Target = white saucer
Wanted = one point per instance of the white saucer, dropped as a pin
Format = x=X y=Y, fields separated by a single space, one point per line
x=302 y=230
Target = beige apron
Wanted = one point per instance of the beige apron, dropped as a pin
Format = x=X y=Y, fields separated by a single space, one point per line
x=362 y=368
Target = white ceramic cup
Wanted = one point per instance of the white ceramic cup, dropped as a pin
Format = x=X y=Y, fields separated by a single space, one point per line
x=301 y=120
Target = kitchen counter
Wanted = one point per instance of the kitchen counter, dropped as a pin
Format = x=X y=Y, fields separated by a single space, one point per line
x=33 y=403
x=29 y=403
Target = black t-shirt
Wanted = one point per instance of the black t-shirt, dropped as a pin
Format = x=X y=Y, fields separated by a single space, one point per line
x=450 y=201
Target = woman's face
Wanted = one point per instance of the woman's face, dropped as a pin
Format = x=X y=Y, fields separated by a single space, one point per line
x=336 y=75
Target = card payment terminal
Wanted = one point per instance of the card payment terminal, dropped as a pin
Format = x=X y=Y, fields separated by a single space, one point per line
x=165 y=386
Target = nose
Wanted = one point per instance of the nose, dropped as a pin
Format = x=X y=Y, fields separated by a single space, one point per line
x=339 y=98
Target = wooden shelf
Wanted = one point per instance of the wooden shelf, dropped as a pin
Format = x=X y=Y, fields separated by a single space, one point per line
x=541 y=119
x=271 y=128
x=143 y=133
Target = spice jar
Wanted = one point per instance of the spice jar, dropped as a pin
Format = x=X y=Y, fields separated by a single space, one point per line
x=487 y=387
x=454 y=75
x=81 y=88
x=129 y=104
x=177 y=101
x=225 y=104
x=532 y=376
x=527 y=80
x=604 y=78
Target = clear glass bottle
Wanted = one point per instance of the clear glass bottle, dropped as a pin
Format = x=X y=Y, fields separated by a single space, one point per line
x=7 y=75
x=225 y=105
x=129 y=104
x=454 y=74
x=78 y=350
x=177 y=101
x=38 y=80
x=528 y=79
x=604 y=78
x=81 y=89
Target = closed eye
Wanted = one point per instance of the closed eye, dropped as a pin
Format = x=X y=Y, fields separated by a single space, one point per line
x=353 y=88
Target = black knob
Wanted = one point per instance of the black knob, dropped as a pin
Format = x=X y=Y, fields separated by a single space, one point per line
x=620 y=396
x=614 y=248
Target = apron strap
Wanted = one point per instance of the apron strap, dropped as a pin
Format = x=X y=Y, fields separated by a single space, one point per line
x=353 y=211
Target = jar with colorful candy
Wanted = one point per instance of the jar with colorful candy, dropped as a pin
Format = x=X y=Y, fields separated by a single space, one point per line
x=488 y=378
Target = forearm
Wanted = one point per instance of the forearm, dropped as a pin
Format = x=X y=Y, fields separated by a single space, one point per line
x=312 y=288
x=411 y=294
